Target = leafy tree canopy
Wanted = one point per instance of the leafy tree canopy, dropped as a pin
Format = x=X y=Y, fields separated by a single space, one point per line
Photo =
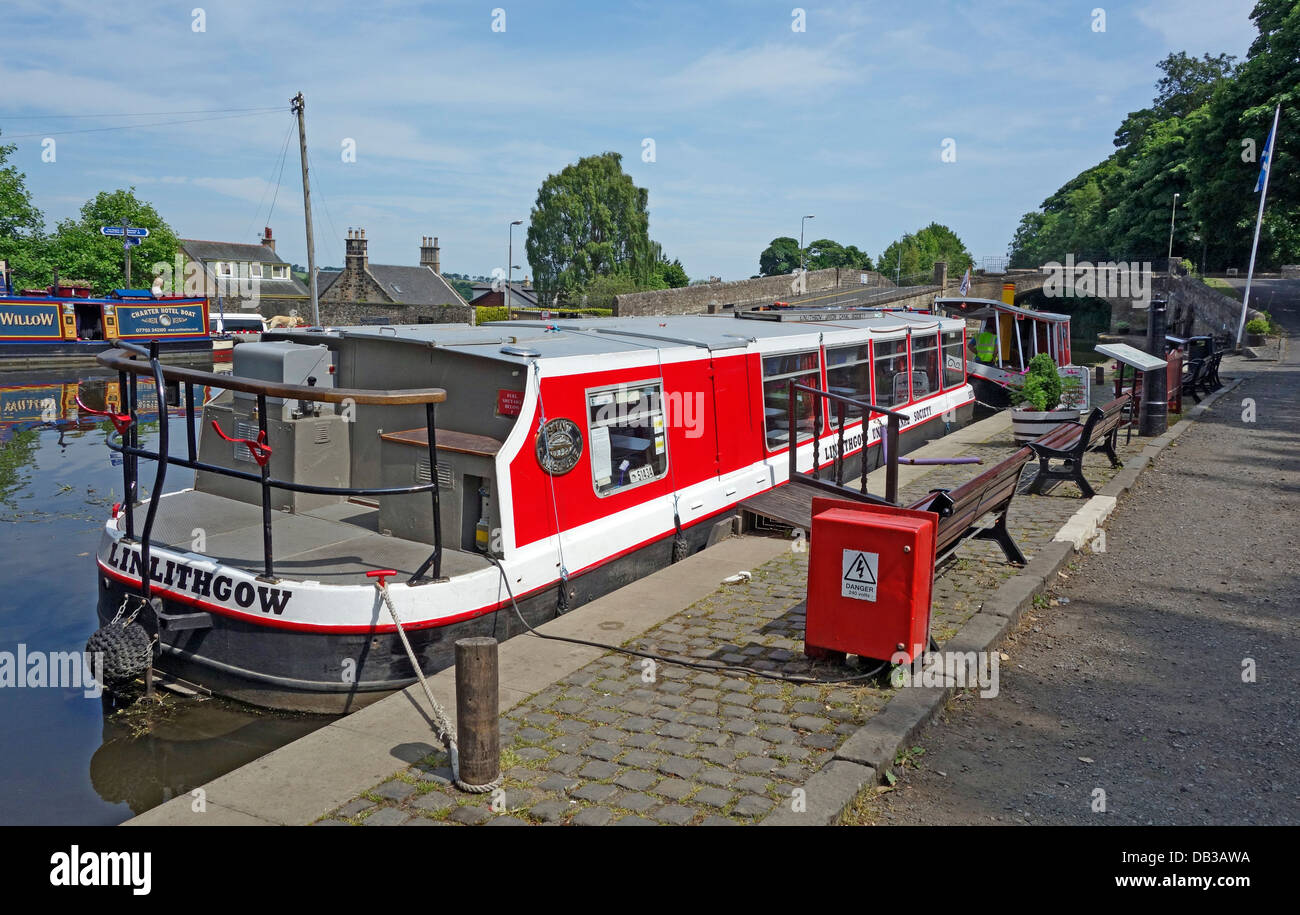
x=589 y=220
x=782 y=256
x=22 y=226
x=1201 y=138
x=914 y=255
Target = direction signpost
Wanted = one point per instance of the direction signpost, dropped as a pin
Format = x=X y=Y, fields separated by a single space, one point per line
x=131 y=236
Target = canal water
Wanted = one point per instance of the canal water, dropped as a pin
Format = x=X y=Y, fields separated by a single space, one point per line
x=69 y=758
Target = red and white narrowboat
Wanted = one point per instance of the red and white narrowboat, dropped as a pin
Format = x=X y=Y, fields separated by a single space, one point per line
x=567 y=459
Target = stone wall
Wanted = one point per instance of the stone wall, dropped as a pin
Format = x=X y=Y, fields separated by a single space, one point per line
x=706 y=297
x=340 y=314
x=1214 y=313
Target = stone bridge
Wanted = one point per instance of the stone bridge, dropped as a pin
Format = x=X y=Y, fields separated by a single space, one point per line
x=1128 y=288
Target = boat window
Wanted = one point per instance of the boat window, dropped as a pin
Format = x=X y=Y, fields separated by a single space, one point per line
x=954 y=359
x=891 y=372
x=925 y=364
x=626 y=436
x=848 y=373
x=778 y=372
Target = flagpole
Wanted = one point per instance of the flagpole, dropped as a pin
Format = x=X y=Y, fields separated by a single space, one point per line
x=1259 y=219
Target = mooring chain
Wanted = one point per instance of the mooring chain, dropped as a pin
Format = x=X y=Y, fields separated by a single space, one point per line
x=441 y=722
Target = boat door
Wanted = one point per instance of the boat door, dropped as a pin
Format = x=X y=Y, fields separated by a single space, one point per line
x=737 y=427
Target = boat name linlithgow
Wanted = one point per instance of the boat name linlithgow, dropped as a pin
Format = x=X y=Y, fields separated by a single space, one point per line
x=177 y=576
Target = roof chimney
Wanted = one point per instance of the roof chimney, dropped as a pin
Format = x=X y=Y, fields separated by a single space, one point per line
x=355 y=250
x=429 y=254
x=267 y=239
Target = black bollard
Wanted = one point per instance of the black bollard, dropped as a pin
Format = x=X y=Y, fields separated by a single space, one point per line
x=478 y=733
x=1154 y=416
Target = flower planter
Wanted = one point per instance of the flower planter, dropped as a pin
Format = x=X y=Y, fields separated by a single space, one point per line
x=1027 y=425
x=1256 y=339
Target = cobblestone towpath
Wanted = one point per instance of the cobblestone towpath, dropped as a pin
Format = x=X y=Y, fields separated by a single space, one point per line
x=620 y=742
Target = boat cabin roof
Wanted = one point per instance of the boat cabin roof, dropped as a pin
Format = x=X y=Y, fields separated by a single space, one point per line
x=521 y=341
x=993 y=305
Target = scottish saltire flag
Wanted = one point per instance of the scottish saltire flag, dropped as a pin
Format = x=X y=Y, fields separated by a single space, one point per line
x=1264 y=159
x=965 y=283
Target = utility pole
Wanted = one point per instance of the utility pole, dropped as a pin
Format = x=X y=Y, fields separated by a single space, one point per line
x=298 y=104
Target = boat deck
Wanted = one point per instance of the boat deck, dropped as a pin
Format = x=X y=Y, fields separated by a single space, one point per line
x=334 y=545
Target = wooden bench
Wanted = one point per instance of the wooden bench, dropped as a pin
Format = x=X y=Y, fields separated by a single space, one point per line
x=1201 y=376
x=962 y=509
x=1069 y=442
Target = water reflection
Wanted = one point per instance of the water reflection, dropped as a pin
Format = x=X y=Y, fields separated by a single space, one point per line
x=69 y=758
x=152 y=752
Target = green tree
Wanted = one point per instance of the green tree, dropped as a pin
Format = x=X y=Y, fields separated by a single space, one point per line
x=779 y=257
x=920 y=252
x=22 y=226
x=80 y=252
x=1220 y=169
x=464 y=287
x=673 y=274
x=599 y=291
x=1193 y=140
x=589 y=220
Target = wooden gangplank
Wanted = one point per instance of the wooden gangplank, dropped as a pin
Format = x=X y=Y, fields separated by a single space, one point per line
x=790 y=503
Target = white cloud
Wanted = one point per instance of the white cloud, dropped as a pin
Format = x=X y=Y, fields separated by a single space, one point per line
x=1201 y=26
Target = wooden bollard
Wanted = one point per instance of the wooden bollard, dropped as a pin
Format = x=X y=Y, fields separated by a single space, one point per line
x=478 y=733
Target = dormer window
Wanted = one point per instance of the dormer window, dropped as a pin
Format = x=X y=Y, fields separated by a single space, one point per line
x=255 y=271
x=280 y=271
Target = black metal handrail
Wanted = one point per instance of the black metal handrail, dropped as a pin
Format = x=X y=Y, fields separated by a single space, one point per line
x=889 y=443
x=127 y=443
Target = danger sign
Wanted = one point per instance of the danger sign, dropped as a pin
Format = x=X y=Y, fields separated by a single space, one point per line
x=858 y=579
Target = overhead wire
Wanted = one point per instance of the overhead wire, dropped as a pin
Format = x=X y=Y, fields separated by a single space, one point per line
x=58 y=133
x=284 y=149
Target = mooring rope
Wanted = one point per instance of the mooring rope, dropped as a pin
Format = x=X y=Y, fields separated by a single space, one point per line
x=441 y=722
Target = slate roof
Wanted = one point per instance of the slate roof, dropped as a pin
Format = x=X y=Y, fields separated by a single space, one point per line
x=208 y=252
x=406 y=285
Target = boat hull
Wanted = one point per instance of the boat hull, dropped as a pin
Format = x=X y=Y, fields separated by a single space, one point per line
x=283 y=669
x=83 y=352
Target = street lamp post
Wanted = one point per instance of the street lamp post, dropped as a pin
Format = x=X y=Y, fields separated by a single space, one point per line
x=801 y=225
x=510 y=261
x=1170 y=257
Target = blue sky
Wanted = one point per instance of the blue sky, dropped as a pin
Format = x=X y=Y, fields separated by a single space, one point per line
x=456 y=125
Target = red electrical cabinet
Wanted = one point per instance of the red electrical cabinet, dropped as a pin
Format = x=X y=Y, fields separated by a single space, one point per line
x=870 y=575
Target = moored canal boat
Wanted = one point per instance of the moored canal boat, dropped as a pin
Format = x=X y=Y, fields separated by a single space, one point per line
x=567 y=459
x=1008 y=337
x=66 y=325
